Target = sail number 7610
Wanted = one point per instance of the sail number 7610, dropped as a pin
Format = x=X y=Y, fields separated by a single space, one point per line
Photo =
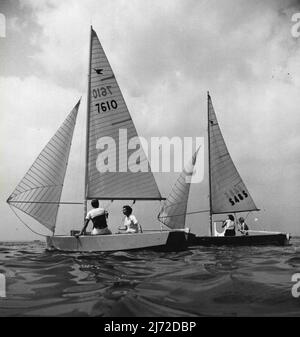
x=102 y=91
x=106 y=106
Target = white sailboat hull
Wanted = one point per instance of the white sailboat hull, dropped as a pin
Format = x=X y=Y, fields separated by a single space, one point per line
x=160 y=240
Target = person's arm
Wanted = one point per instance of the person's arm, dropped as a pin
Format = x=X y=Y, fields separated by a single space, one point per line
x=123 y=228
x=134 y=224
x=133 y=221
x=84 y=227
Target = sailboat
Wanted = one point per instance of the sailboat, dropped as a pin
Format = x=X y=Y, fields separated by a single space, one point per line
x=39 y=192
x=228 y=194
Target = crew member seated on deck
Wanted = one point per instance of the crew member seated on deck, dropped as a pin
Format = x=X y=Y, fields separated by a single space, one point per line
x=229 y=225
x=243 y=228
x=131 y=225
x=98 y=216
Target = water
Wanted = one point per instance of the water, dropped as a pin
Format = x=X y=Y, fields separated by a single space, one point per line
x=251 y=281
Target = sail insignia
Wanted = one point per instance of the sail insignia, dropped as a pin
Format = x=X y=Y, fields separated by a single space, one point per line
x=38 y=193
x=109 y=173
x=228 y=191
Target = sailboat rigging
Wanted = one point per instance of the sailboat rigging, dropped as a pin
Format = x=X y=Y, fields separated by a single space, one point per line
x=39 y=192
x=227 y=194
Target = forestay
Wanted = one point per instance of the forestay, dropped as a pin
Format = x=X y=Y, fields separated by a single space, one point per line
x=39 y=192
x=109 y=174
x=228 y=191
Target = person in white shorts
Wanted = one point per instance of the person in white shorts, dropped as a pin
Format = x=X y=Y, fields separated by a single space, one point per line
x=131 y=225
x=98 y=216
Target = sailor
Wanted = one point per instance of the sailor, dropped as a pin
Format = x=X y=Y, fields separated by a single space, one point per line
x=229 y=225
x=243 y=228
x=131 y=225
x=98 y=216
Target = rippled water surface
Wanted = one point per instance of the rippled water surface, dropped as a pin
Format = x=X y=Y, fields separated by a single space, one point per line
x=252 y=281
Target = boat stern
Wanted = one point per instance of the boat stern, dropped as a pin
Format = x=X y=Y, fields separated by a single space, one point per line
x=287 y=239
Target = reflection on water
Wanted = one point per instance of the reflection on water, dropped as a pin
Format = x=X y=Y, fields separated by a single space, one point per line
x=213 y=281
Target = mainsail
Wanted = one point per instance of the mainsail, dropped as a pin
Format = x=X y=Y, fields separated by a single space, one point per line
x=109 y=130
x=39 y=192
x=173 y=212
x=228 y=192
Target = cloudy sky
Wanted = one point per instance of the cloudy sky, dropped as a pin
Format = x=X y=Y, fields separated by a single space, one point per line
x=165 y=55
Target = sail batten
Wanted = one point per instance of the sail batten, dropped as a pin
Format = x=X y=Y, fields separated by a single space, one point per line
x=107 y=115
x=38 y=193
x=228 y=192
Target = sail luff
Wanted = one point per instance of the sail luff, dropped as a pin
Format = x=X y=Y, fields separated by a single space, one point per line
x=229 y=193
x=73 y=121
x=39 y=192
x=209 y=168
x=87 y=127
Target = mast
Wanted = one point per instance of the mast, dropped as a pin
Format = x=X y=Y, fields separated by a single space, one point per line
x=87 y=127
x=209 y=165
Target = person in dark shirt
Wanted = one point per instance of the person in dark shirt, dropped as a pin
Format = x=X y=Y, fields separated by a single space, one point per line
x=98 y=216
